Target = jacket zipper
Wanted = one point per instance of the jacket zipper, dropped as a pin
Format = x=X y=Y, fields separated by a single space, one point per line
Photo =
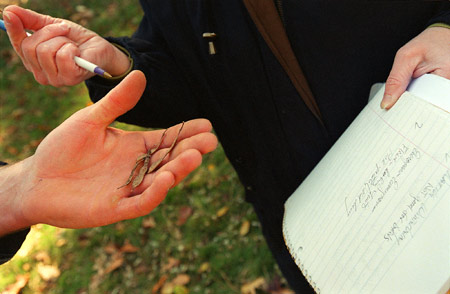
x=210 y=36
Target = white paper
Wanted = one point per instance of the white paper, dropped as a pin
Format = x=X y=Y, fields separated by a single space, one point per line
x=374 y=215
x=432 y=88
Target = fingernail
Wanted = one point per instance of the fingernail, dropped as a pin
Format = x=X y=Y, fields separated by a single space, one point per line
x=387 y=100
x=6 y=17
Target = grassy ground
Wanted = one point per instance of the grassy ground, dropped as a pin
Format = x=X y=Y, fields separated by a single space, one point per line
x=203 y=239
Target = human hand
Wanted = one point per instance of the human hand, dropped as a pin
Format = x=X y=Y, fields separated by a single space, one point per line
x=429 y=52
x=72 y=180
x=49 y=52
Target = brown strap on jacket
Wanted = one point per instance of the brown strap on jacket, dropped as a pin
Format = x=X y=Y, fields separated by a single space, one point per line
x=267 y=20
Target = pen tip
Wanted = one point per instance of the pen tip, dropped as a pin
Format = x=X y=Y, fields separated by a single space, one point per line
x=107 y=75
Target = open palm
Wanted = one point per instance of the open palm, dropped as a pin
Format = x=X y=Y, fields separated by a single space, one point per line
x=76 y=171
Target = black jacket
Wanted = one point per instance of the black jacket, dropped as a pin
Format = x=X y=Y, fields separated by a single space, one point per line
x=269 y=135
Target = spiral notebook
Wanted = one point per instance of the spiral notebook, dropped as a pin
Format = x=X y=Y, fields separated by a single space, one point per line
x=374 y=215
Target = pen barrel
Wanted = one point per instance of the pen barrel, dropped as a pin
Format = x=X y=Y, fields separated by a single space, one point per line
x=2 y=25
x=89 y=66
x=85 y=64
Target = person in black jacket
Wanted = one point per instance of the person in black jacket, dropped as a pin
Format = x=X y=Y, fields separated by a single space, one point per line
x=215 y=59
x=72 y=180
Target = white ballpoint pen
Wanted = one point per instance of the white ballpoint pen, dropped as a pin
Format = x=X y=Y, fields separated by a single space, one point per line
x=89 y=66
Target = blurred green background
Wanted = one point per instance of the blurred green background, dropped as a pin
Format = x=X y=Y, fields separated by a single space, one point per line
x=203 y=239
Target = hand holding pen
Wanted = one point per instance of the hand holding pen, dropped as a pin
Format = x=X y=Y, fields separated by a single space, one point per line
x=58 y=50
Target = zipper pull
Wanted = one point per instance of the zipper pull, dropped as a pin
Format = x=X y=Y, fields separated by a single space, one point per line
x=210 y=37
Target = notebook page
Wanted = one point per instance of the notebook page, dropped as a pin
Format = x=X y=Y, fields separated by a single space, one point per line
x=374 y=215
x=432 y=88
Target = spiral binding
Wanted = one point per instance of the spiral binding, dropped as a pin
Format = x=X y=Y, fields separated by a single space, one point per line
x=297 y=261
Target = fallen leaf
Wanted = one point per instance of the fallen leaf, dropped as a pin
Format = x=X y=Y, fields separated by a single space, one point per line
x=167 y=288
x=35 y=143
x=183 y=214
x=44 y=128
x=245 y=228
x=11 y=130
x=21 y=282
x=82 y=15
x=141 y=269
x=128 y=248
x=117 y=261
x=112 y=8
x=48 y=272
x=221 y=212
x=275 y=286
x=18 y=113
x=181 y=279
x=110 y=248
x=120 y=226
x=26 y=267
x=37 y=112
x=43 y=257
x=12 y=150
x=204 y=267
x=282 y=291
x=61 y=242
x=159 y=284
x=83 y=240
x=176 y=233
x=99 y=266
x=250 y=288
x=179 y=289
x=149 y=222
x=172 y=262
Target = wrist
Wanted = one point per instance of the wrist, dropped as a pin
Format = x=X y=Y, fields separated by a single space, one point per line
x=13 y=182
x=122 y=64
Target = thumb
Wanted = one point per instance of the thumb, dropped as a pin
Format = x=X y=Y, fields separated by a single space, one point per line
x=119 y=100
x=398 y=79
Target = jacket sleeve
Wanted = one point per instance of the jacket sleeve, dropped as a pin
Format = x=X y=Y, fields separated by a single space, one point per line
x=168 y=98
x=443 y=16
x=11 y=243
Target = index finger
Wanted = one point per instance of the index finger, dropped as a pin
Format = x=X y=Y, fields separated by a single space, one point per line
x=15 y=30
x=29 y=19
x=24 y=19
